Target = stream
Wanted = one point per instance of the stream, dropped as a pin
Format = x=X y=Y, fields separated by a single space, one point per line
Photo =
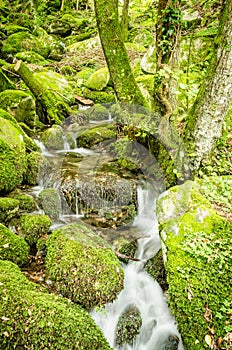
x=158 y=329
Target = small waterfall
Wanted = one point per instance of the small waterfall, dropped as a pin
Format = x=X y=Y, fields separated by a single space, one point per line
x=141 y=290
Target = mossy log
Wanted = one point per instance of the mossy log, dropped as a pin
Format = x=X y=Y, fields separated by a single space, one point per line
x=53 y=107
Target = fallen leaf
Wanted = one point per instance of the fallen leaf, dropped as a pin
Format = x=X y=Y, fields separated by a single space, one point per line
x=208 y=340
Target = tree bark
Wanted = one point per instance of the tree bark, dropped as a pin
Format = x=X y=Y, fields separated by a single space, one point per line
x=115 y=53
x=206 y=117
x=125 y=20
x=55 y=109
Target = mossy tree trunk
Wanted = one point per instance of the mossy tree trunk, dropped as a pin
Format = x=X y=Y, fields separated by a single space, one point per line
x=167 y=39
x=206 y=117
x=125 y=19
x=115 y=53
x=54 y=108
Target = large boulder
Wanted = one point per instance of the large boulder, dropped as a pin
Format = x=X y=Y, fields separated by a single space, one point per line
x=29 y=316
x=82 y=266
x=89 y=138
x=98 y=80
x=13 y=247
x=21 y=105
x=196 y=245
x=34 y=226
x=12 y=156
x=23 y=41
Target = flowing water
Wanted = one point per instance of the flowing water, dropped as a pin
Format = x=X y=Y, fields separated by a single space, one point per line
x=140 y=289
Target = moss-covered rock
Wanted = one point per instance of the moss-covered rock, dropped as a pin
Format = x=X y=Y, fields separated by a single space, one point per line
x=128 y=326
x=23 y=41
x=42 y=318
x=98 y=112
x=100 y=96
x=51 y=202
x=57 y=84
x=26 y=202
x=12 y=156
x=178 y=200
x=34 y=226
x=93 y=136
x=196 y=248
x=98 y=80
x=34 y=164
x=9 y=208
x=155 y=267
x=31 y=57
x=83 y=267
x=21 y=105
x=13 y=247
x=52 y=138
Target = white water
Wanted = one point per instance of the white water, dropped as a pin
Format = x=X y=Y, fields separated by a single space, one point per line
x=141 y=289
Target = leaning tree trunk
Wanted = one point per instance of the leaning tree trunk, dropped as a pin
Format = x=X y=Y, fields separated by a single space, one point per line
x=125 y=19
x=115 y=53
x=54 y=108
x=206 y=117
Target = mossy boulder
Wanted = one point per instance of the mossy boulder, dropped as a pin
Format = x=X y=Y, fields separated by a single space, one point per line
x=23 y=41
x=35 y=162
x=9 y=208
x=98 y=112
x=197 y=256
x=34 y=226
x=12 y=156
x=83 y=266
x=98 y=80
x=99 y=96
x=155 y=267
x=128 y=326
x=26 y=202
x=31 y=57
x=56 y=83
x=89 y=138
x=83 y=75
x=21 y=105
x=51 y=202
x=42 y=318
x=13 y=247
x=53 y=138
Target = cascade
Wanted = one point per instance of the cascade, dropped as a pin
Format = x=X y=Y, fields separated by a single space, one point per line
x=158 y=329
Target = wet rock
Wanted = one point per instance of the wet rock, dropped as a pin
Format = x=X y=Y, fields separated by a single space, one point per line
x=83 y=266
x=35 y=164
x=13 y=247
x=98 y=112
x=53 y=138
x=172 y=342
x=128 y=326
x=59 y=27
x=95 y=135
x=155 y=267
x=51 y=203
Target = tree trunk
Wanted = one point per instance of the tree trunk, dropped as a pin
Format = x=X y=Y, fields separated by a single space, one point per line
x=115 y=53
x=55 y=109
x=206 y=117
x=125 y=19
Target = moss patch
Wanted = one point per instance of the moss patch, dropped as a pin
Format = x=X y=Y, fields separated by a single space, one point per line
x=13 y=247
x=42 y=318
x=84 y=268
x=34 y=226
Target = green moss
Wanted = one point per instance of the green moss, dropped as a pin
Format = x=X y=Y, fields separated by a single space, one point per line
x=84 y=268
x=99 y=96
x=34 y=226
x=31 y=57
x=198 y=273
x=34 y=162
x=51 y=202
x=91 y=137
x=24 y=41
x=5 y=82
x=44 y=320
x=98 y=112
x=52 y=138
x=9 y=208
x=98 y=80
x=12 y=156
x=13 y=247
x=26 y=202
